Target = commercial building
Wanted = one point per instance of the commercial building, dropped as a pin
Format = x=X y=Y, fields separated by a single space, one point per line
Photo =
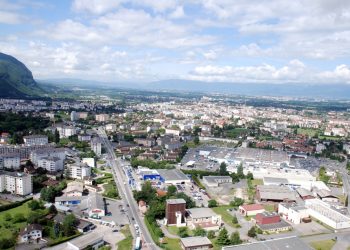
x=16 y=183
x=260 y=157
x=293 y=212
x=74 y=188
x=196 y=243
x=251 y=209
x=324 y=212
x=203 y=217
x=271 y=193
x=10 y=160
x=51 y=163
x=215 y=181
x=173 y=177
x=31 y=140
x=279 y=243
x=175 y=211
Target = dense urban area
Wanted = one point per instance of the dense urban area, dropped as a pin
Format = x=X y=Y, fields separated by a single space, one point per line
x=180 y=173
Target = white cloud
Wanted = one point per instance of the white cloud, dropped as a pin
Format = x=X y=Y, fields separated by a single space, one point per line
x=96 y=6
x=177 y=13
x=8 y=17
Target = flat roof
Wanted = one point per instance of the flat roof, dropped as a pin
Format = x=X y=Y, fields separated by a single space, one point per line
x=175 y=201
x=195 y=241
x=172 y=175
x=84 y=240
x=274 y=244
x=201 y=212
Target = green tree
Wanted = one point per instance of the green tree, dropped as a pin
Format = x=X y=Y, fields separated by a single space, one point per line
x=171 y=190
x=52 y=209
x=196 y=140
x=223 y=169
x=223 y=239
x=147 y=193
x=236 y=202
x=35 y=205
x=240 y=173
x=235 y=239
x=182 y=232
x=234 y=220
x=189 y=202
x=252 y=232
x=212 y=203
x=199 y=232
x=7 y=217
x=250 y=176
x=57 y=136
x=18 y=217
x=33 y=217
x=211 y=234
x=69 y=224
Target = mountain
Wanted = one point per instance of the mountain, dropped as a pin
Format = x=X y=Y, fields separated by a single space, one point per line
x=16 y=80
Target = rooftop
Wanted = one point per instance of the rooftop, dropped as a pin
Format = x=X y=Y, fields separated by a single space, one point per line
x=195 y=241
x=201 y=212
x=175 y=201
x=252 y=207
x=172 y=174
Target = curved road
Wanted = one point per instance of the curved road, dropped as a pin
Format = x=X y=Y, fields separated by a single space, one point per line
x=126 y=193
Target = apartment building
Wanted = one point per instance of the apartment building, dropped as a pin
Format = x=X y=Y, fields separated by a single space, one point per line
x=78 y=171
x=47 y=152
x=96 y=146
x=51 y=163
x=31 y=140
x=10 y=160
x=16 y=183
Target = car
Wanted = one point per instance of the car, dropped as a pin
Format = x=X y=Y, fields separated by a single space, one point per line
x=115 y=230
x=132 y=218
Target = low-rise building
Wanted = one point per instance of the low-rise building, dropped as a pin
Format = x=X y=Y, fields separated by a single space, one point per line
x=215 y=181
x=74 y=188
x=196 y=243
x=293 y=212
x=203 y=217
x=251 y=209
x=175 y=211
x=271 y=193
x=271 y=222
x=326 y=196
x=32 y=232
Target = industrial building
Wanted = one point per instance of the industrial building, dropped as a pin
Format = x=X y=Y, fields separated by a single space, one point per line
x=251 y=209
x=271 y=222
x=202 y=217
x=324 y=212
x=293 y=212
x=215 y=181
x=271 y=193
x=173 y=177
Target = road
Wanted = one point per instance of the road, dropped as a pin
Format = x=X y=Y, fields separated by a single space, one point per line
x=126 y=193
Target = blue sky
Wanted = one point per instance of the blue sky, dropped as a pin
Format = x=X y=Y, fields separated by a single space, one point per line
x=274 y=41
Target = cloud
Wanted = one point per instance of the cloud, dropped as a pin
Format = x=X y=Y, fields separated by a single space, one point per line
x=177 y=13
x=8 y=17
x=96 y=6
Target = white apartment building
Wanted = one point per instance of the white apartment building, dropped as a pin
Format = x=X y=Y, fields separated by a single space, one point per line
x=102 y=117
x=78 y=171
x=66 y=131
x=16 y=183
x=51 y=163
x=111 y=127
x=96 y=146
x=47 y=152
x=31 y=140
x=10 y=160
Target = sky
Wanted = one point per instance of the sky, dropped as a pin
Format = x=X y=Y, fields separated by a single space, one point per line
x=238 y=41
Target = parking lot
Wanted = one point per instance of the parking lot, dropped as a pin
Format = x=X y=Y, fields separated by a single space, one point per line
x=198 y=195
x=115 y=213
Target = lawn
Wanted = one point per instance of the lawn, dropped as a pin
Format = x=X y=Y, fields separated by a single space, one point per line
x=308 y=131
x=127 y=242
x=323 y=244
x=326 y=137
x=256 y=182
x=226 y=216
x=269 y=207
x=174 y=230
x=171 y=244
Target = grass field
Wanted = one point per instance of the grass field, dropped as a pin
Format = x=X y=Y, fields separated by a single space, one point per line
x=269 y=207
x=257 y=182
x=127 y=242
x=331 y=138
x=323 y=244
x=171 y=244
x=226 y=216
x=308 y=131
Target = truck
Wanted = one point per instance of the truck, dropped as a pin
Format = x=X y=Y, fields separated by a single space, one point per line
x=138 y=243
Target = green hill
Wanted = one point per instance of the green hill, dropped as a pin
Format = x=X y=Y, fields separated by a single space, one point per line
x=16 y=80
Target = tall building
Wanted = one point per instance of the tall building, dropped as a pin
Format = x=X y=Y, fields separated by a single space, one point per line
x=10 y=160
x=16 y=183
x=174 y=211
x=96 y=146
x=74 y=116
x=78 y=171
x=51 y=163
x=31 y=140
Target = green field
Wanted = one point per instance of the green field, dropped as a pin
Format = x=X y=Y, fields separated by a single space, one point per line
x=331 y=138
x=171 y=244
x=127 y=242
x=323 y=244
x=226 y=216
x=269 y=207
x=256 y=182
x=308 y=131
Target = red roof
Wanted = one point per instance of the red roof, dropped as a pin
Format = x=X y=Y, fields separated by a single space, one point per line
x=252 y=207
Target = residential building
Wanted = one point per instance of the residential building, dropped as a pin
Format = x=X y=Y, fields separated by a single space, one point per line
x=96 y=146
x=31 y=140
x=78 y=171
x=102 y=117
x=10 y=161
x=16 y=183
x=37 y=154
x=202 y=217
x=32 y=232
x=51 y=163
x=74 y=188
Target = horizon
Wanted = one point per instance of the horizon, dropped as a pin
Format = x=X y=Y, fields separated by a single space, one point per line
x=269 y=42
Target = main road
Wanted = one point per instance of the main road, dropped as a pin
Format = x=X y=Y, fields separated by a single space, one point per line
x=125 y=192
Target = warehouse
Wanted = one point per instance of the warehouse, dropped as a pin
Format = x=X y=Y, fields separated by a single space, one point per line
x=323 y=212
x=271 y=193
x=293 y=212
x=215 y=181
x=173 y=177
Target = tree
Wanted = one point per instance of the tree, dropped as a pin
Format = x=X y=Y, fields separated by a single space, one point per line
x=57 y=136
x=147 y=193
x=223 y=169
x=234 y=220
x=211 y=234
x=182 y=232
x=250 y=176
x=33 y=217
x=223 y=239
x=189 y=202
x=34 y=205
x=52 y=209
x=252 y=232
x=212 y=203
x=235 y=239
x=240 y=173
x=69 y=224
x=199 y=232
x=48 y=194
x=236 y=202
x=19 y=217
x=171 y=190
x=196 y=140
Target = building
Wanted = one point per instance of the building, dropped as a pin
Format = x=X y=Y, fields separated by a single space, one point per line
x=10 y=160
x=215 y=181
x=305 y=194
x=66 y=131
x=202 y=217
x=326 y=196
x=251 y=209
x=196 y=243
x=89 y=161
x=271 y=193
x=111 y=127
x=293 y=212
x=271 y=222
x=84 y=137
x=32 y=232
x=51 y=163
x=102 y=117
x=325 y=213
x=94 y=241
x=16 y=183
x=74 y=188
x=287 y=243
x=37 y=154
x=175 y=211
x=78 y=171
x=74 y=116
x=96 y=146
x=31 y=140
x=173 y=177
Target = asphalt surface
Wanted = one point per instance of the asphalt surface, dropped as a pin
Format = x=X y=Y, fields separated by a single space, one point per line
x=126 y=193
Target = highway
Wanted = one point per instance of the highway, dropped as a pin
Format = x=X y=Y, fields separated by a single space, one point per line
x=126 y=193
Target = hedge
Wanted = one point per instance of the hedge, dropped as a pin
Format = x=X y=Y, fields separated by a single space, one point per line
x=13 y=205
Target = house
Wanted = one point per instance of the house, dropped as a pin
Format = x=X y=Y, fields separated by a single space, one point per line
x=74 y=188
x=142 y=206
x=251 y=209
x=196 y=242
x=202 y=217
x=31 y=232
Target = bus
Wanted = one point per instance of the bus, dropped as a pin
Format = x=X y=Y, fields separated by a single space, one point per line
x=138 y=244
